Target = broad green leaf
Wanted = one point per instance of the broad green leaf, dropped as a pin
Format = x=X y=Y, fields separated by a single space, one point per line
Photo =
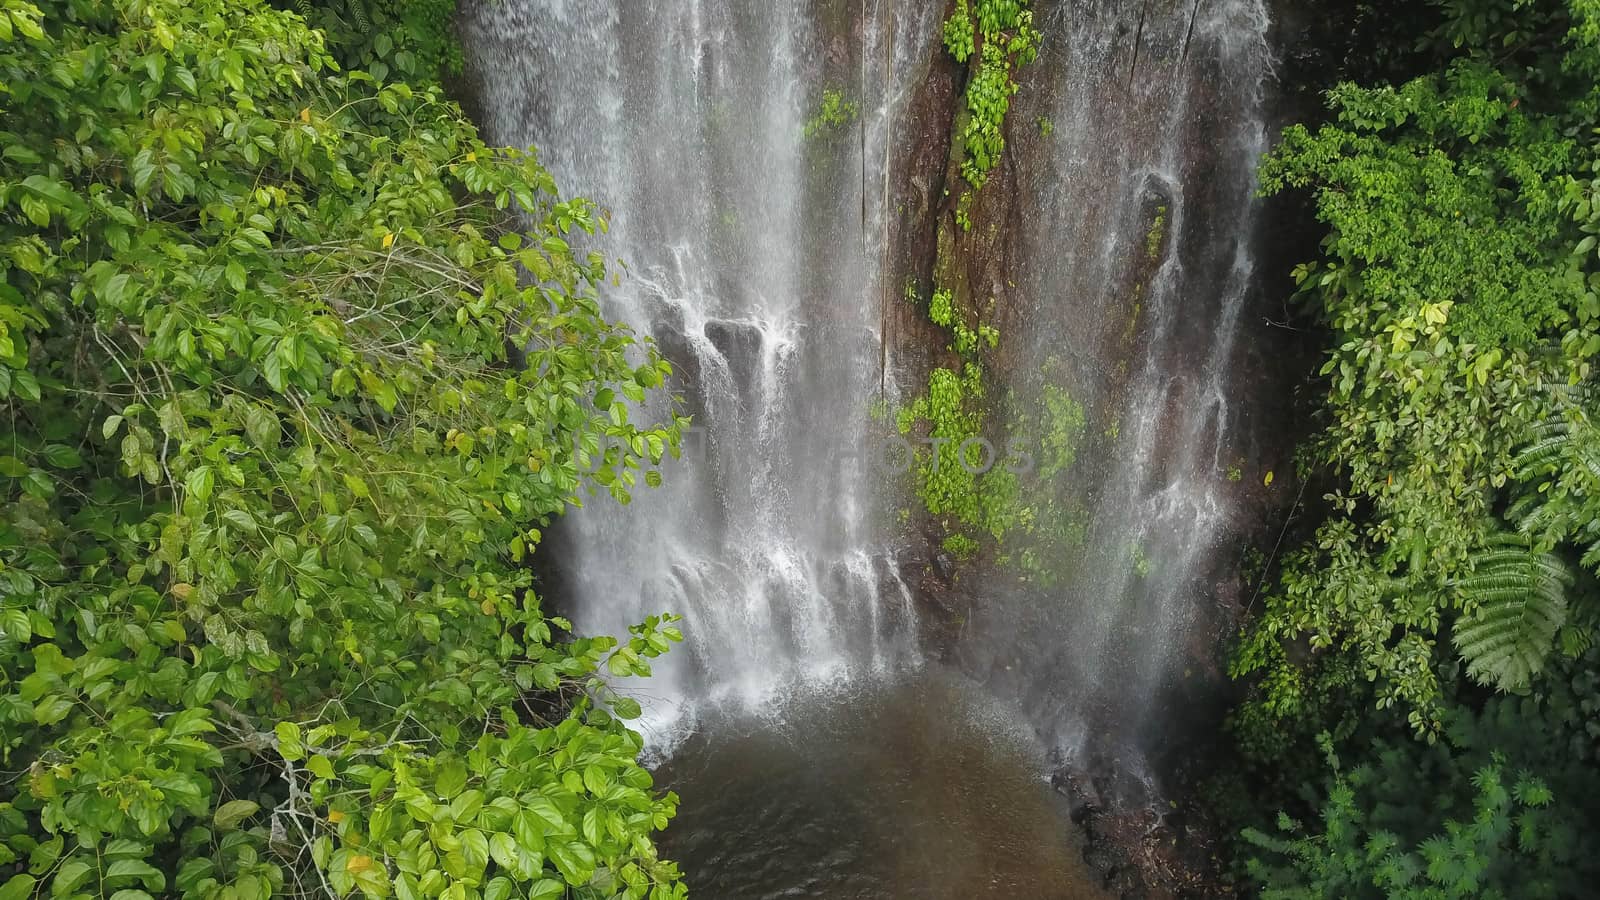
x=136 y=868
x=574 y=859
x=230 y=814
x=546 y=889
x=18 y=887
x=289 y=744
x=320 y=766
x=16 y=625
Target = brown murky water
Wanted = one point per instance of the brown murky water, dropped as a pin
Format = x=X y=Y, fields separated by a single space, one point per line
x=919 y=791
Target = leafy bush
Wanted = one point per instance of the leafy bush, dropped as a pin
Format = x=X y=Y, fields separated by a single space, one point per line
x=289 y=390
x=408 y=41
x=1498 y=808
x=1501 y=850
x=1460 y=283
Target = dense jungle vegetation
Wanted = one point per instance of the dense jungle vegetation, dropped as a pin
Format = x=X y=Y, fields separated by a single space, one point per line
x=269 y=467
x=1425 y=709
x=295 y=369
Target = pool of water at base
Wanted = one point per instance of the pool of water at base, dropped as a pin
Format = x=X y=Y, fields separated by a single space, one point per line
x=918 y=790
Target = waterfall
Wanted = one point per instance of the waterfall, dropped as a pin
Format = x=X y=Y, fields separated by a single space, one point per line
x=1134 y=271
x=750 y=232
x=748 y=253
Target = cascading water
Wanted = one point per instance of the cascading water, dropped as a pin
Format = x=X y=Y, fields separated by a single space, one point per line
x=752 y=259
x=752 y=213
x=1135 y=270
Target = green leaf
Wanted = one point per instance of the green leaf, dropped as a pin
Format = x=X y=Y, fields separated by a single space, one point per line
x=190 y=721
x=262 y=427
x=503 y=849
x=573 y=859
x=18 y=887
x=230 y=814
x=546 y=889
x=25 y=385
x=272 y=370
x=45 y=854
x=192 y=872
x=320 y=766
x=69 y=876
x=16 y=625
x=37 y=483
x=464 y=808
x=547 y=813
x=1516 y=602
x=198 y=484
x=137 y=868
x=626 y=707
x=451 y=780
x=475 y=849
x=498 y=889
x=51 y=709
x=62 y=457
x=289 y=745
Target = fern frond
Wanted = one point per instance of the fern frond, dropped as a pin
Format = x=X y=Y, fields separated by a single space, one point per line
x=1568 y=435
x=1515 y=602
x=1547 y=449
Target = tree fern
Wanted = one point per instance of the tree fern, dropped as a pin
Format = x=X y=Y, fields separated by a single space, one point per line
x=1515 y=602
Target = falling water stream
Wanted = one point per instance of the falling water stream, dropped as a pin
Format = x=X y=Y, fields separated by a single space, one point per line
x=748 y=268
x=818 y=753
x=1135 y=273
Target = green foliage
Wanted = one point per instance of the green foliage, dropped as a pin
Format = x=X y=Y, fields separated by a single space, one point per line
x=288 y=389
x=1060 y=425
x=941 y=312
x=1141 y=562
x=964 y=211
x=953 y=409
x=834 y=114
x=960 y=545
x=1499 y=808
x=1462 y=289
x=1559 y=482
x=1033 y=529
x=1516 y=601
x=947 y=477
x=960 y=35
x=1459 y=281
x=1157 y=233
x=1001 y=32
x=1508 y=847
x=409 y=40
